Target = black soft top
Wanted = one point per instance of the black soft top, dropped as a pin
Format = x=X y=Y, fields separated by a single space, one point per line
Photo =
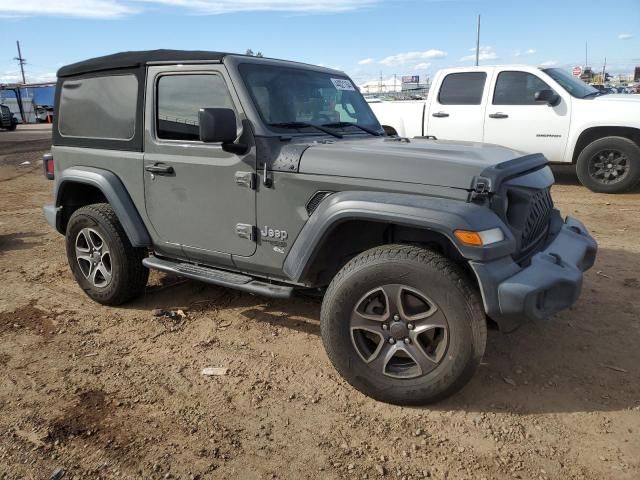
x=136 y=59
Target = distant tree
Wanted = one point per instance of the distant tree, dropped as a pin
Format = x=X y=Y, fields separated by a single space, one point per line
x=252 y=54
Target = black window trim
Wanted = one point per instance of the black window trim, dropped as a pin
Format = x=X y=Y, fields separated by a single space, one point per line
x=169 y=73
x=484 y=87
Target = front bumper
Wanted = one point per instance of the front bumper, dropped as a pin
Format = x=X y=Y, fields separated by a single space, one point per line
x=551 y=282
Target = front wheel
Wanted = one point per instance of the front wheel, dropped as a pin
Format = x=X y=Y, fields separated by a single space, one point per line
x=102 y=260
x=403 y=325
x=609 y=165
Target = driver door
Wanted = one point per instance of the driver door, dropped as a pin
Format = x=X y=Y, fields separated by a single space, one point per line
x=192 y=199
x=514 y=119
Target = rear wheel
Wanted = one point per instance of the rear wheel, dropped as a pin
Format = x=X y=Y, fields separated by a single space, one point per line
x=609 y=165
x=102 y=260
x=403 y=325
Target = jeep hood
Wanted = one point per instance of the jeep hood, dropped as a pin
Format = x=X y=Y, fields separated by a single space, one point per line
x=428 y=162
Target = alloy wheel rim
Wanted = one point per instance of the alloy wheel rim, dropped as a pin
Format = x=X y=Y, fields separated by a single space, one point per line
x=399 y=331
x=93 y=257
x=609 y=166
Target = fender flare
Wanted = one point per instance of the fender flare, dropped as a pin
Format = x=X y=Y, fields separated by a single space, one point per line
x=116 y=194
x=441 y=215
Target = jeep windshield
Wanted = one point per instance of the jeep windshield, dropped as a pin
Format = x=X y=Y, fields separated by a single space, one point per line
x=309 y=101
x=576 y=87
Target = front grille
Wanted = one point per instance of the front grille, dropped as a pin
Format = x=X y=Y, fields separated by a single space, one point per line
x=528 y=214
x=537 y=223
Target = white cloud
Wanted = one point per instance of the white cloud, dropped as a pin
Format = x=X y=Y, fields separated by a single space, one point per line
x=519 y=53
x=486 y=53
x=403 y=58
x=14 y=76
x=118 y=8
x=422 y=66
x=215 y=7
x=625 y=36
x=67 y=8
x=365 y=61
x=549 y=63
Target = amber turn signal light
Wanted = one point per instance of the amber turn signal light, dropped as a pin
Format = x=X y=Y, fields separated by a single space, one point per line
x=468 y=237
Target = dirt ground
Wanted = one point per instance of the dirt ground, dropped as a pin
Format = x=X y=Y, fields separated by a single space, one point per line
x=117 y=393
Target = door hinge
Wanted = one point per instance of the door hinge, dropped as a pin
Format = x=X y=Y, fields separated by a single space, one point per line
x=244 y=230
x=246 y=179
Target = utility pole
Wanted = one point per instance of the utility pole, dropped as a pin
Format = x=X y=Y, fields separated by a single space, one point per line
x=586 y=54
x=21 y=61
x=478 y=43
x=395 y=75
x=604 y=68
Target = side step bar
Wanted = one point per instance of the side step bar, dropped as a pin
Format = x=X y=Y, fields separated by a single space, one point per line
x=219 y=277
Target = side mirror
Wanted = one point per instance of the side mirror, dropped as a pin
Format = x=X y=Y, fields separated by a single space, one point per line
x=217 y=125
x=549 y=97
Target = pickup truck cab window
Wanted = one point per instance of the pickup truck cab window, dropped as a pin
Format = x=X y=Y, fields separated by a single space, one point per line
x=303 y=99
x=462 y=88
x=517 y=88
x=180 y=98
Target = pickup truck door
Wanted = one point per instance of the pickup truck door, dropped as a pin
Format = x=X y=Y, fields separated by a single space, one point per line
x=193 y=198
x=457 y=105
x=514 y=119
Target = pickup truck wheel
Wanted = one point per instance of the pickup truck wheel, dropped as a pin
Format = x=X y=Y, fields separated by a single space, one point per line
x=12 y=127
x=403 y=325
x=102 y=260
x=609 y=165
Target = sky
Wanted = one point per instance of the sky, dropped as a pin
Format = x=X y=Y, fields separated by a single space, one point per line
x=365 y=38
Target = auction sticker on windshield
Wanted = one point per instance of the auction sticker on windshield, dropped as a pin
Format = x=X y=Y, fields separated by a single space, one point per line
x=342 y=84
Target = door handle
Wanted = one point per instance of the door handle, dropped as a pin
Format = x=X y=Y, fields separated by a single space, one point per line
x=440 y=114
x=498 y=115
x=160 y=169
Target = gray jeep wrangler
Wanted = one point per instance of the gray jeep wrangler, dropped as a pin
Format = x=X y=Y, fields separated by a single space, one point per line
x=270 y=176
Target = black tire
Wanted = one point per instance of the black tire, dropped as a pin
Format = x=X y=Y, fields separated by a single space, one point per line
x=430 y=274
x=12 y=127
x=128 y=277
x=604 y=148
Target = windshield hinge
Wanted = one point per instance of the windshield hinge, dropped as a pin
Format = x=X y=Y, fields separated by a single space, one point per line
x=480 y=189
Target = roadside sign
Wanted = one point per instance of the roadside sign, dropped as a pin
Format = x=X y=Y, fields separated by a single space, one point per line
x=411 y=79
x=577 y=71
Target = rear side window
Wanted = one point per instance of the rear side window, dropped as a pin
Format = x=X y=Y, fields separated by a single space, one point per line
x=517 y=88
x=99 y=107
x=180 y=98
x=462 y=88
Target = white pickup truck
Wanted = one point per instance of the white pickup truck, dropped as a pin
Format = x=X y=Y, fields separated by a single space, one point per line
x=532 y=110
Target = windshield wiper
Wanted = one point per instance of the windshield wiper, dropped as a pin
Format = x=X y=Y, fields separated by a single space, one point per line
x=596 y=93
x=350 y=124
x=305 y=124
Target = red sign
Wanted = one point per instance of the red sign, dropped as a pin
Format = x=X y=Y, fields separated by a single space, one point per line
x=577 y=71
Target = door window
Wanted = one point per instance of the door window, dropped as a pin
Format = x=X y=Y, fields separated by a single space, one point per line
x=517 y=88
x=462 y=88
x=180 y=98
